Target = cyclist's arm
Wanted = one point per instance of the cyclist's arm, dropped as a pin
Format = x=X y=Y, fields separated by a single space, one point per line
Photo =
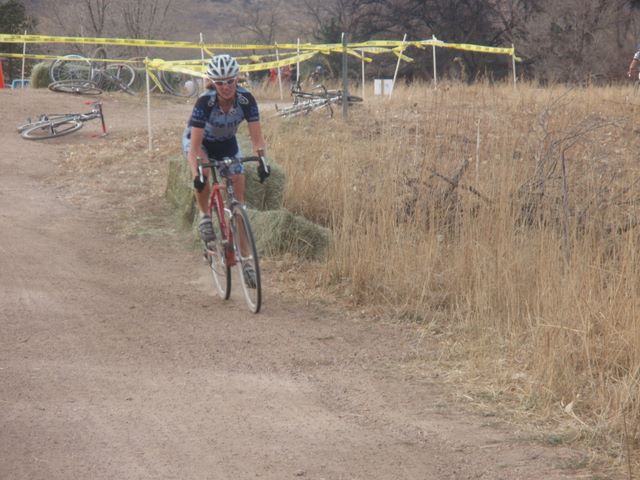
x=257 y=139
x=195 y=149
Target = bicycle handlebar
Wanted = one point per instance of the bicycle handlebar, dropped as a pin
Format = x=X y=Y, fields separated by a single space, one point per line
x=229 y=161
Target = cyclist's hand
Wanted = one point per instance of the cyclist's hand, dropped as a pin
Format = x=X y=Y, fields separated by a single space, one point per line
x=199 y=184
x=263 y=170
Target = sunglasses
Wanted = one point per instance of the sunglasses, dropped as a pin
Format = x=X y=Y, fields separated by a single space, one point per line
x=220 y=83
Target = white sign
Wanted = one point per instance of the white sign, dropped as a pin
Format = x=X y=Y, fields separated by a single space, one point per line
x=382 y=86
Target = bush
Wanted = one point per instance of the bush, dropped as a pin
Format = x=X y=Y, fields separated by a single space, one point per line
x=40 y=75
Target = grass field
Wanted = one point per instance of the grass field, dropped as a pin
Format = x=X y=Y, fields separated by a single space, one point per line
x=504 y=221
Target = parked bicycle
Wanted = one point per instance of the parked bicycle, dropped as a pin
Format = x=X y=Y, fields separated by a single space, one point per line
x=234 y=244
x=58 y=124
x=70 y=67
x=320 y=91
x=318 y=98
x=76 y=70
x=77 y=87
x=114 y=76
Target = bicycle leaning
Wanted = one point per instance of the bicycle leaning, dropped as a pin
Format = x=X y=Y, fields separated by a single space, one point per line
x=234 y=243
x=53 y=125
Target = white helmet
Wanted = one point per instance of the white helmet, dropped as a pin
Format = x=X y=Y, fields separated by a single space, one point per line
x=222 y=66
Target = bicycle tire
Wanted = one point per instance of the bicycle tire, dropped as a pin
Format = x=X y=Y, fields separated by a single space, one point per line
x=70 y=67
x=240 y=224
x=179 y=84
x=51 y=129
x=216 y=256
x=99 y=53
x=76 y=87
x=138 y=63
x=47 y=117
x=125 y=73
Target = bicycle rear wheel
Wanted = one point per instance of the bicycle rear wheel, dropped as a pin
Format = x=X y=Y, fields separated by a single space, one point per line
x=247 y=258
x=124 y=73
x=216 y=255
x=79 y=87
x=179 y=84
x=52 y=129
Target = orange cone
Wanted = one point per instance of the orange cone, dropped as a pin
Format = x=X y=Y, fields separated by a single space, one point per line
x=1 y=75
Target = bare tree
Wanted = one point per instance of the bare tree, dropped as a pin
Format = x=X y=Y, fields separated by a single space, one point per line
x=144 y=18
x=262 y=19
x=361 y=19
x=578 y=40
x=84 y=18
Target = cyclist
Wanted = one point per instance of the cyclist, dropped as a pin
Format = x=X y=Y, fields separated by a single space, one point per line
x=633 y=66
x=316 y=76
x=211 y=133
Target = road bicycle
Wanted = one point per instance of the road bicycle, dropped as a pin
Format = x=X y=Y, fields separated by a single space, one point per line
x=320 y=91
x=53 y=125
x=305 y=107
x=319 y=98
x=234 y=243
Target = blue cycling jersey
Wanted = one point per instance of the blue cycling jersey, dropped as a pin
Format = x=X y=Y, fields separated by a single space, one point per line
x=220 y=128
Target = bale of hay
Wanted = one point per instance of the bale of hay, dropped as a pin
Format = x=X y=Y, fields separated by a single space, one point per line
x=40 y=75
x=268 y=195
x=262 y=196
x=179 y=191
x=279 y=231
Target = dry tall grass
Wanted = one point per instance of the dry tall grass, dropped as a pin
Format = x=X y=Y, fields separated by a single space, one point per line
x=506 y=216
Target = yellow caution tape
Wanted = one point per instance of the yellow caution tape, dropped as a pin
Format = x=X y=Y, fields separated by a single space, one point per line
x=478 y=48
x=323 y=48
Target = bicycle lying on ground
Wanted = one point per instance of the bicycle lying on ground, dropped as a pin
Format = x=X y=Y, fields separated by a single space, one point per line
x=78 y=87
x=234 y=244
x=318 y=98
x=77 y=71
x=53 y=125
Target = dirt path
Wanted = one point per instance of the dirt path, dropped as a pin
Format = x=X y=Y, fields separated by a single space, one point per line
x=118 y=362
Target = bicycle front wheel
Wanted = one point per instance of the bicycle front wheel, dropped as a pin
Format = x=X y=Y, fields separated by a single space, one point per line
x=70 y=67
x=247 y=258
x=52 y=129
x=216 y=255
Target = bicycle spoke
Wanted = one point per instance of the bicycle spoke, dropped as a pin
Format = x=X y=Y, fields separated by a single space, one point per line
x=216 y=255
x=71 y=67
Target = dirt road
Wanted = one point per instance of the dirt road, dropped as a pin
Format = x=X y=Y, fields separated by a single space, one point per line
x=117 y=361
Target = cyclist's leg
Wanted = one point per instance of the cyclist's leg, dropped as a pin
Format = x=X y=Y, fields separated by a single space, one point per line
x=239 y=186
x=205 y=225
x=202 y=198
